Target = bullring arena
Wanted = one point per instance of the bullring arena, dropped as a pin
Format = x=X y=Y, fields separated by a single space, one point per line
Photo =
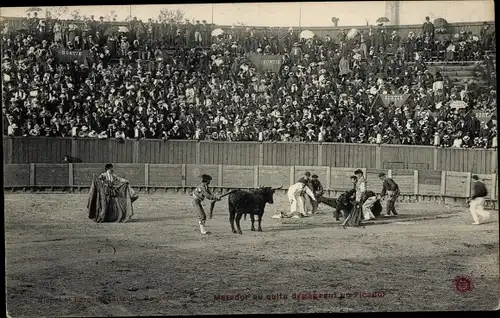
x=62 y=263
x=172 y=100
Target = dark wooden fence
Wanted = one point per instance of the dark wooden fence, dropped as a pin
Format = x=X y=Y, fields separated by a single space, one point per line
x=40 y=150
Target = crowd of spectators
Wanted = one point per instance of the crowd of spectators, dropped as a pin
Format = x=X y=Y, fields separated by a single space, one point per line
x=206 y=88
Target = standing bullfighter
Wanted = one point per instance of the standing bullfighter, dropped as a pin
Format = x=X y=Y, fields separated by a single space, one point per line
x=199 y=194
x=348 y=207
x=110 y=176
x=317 y=189
x=361 y=194
x=110 y=198
x=390 y=190
x=308 y=205
x=296 y=195
x=479 y=193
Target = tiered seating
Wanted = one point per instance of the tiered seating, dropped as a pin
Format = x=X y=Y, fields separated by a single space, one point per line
x=458 y=72
x=320 y=94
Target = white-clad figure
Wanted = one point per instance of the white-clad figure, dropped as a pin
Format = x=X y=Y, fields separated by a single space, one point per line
x=308 y=206
x=296 y=194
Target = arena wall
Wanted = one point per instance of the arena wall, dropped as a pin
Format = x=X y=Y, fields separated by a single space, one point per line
x=26 y=150
x=416 y=184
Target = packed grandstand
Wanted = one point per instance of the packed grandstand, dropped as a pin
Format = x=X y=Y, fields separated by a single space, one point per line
x=189 y=82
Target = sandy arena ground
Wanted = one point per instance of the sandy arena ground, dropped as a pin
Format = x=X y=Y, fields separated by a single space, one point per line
x=60 y=263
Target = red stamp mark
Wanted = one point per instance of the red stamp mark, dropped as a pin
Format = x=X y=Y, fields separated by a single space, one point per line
x=463 y=284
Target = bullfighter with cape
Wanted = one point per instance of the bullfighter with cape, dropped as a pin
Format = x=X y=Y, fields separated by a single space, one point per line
x=351 y=208
x=110 y=198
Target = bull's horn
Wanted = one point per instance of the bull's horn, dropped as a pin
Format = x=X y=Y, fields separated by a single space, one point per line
x=279 y=188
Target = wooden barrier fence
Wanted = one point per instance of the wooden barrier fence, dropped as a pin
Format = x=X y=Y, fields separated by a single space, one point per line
x=420 y=184
x=26 y=150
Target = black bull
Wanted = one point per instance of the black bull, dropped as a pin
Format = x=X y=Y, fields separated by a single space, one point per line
x=251 y=202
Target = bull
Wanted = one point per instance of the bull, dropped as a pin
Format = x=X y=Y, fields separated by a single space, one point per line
x=251 y=202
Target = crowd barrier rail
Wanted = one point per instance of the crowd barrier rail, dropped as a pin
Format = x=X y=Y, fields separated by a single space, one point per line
x=47 y=150
x=403 y=30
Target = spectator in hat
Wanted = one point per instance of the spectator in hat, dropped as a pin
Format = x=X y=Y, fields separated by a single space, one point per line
x=486 y=36
x=101 y=25
x=428 y=29
x=197 y=33
x=71 y=31
x=205 y=32
x=301 y=83
x=57 y=30
x=178 y=40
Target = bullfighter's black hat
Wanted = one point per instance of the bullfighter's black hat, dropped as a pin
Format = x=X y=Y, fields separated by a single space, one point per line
x=205 y=177
x=359 y=171
x=380 y=175
x=314 y=176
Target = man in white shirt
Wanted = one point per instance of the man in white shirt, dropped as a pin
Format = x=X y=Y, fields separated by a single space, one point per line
x=464 y=92
x=457 y=142
x=296 y=197
x=360 y=195
x=437 y=85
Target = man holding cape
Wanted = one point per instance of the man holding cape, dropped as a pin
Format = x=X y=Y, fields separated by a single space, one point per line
x=110 y=198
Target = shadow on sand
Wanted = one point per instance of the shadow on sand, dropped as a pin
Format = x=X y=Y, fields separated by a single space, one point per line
x=304 y=223
x=145 y=220
x=290 y=225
